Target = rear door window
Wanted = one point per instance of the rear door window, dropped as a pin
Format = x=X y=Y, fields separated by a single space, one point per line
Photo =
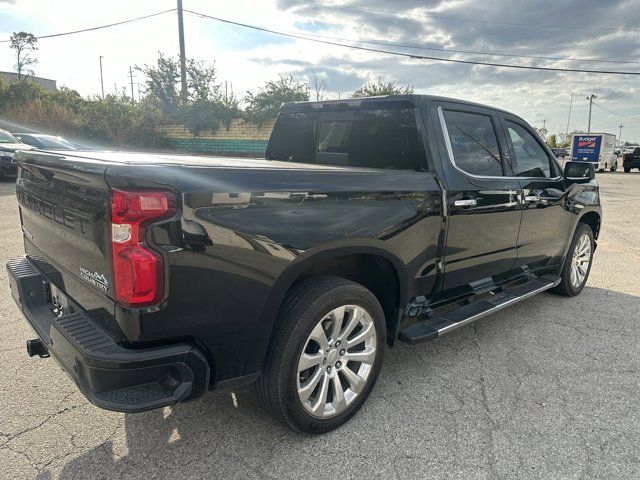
x=385 y=138
x=474 y=143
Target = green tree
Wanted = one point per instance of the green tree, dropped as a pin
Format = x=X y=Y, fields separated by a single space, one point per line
x=265 y=104
x=375 y=89
x=552 y=141
x=24 y=45
x=161 y=83
x=201 y=81
x=204 y=108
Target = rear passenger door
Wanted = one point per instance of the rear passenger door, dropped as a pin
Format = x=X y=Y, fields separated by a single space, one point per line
x=483 y=197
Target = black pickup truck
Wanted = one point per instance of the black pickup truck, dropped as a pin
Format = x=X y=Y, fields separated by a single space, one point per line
x=631 y=160
x=154 y=278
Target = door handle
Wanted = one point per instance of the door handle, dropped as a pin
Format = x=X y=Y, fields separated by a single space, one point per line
x=531 y=198
x=467 y=202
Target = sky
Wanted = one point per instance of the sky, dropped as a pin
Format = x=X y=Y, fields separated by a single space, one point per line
x=599 y=30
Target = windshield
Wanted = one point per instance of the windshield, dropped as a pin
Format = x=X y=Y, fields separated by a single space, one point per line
x=6 y=137
x=55 y=143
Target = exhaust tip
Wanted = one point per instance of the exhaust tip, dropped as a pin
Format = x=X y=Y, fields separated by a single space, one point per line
x=36 y=347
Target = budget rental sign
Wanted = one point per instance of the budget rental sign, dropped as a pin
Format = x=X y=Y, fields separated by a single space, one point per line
x=586 y=148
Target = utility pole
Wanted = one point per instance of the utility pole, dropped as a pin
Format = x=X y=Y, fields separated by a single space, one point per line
x=101 y=78
x=590 y=98
x=620 y=136
x=133 y=99
x=566 y=134
x=544 y=123
x=183 y=60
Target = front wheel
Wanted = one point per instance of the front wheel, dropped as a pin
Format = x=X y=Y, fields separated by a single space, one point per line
x=577 y=265
x=326 y=354
x=627 y=169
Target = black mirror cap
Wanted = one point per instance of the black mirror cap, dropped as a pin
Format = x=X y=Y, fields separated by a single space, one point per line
x=579 y=171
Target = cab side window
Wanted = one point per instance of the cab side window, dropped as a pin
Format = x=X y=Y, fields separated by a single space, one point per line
x=531 y=160
x=474 y=143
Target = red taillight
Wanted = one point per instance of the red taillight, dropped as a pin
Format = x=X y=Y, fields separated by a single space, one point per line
x=138 y=271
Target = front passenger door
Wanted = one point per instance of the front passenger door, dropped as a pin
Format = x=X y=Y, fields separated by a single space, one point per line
x=544 y=231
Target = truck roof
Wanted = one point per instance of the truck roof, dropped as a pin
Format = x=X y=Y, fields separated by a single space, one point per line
x=415 y=99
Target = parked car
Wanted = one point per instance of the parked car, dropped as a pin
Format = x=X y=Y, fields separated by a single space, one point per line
x=631 y=160
x=8 y=146
x=45 y=142
x=559 y=152
x=154 y=278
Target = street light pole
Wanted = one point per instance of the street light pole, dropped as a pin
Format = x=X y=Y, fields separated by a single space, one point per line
x=101 y=78
x=566 y=133
x=620 y=136
x=183 y=60
x=590 y=98
x=131 y=76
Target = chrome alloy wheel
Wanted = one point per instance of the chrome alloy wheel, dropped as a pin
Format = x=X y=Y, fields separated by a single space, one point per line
x=580 y=261
x=336 y=361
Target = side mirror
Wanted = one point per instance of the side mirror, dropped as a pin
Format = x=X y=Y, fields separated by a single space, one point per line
x=579 y=171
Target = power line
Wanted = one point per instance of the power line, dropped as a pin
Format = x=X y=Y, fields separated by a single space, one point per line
x=370 y=42
x=473 y=20
x=99 y=27
x=637 y=118
x=472 y=52
x=408 y=55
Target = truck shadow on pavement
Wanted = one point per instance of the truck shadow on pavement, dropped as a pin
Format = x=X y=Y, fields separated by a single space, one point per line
x=524 y=381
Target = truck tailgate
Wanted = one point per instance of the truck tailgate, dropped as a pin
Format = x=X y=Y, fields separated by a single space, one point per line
x=64 y=209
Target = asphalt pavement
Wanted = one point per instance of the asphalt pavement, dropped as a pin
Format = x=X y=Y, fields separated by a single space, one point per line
x=548 y=388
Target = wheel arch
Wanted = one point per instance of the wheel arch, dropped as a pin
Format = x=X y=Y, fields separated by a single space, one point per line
x=592 y=219
x=371 y=266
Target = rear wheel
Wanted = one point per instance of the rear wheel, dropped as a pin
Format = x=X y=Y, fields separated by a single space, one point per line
x=326 y=354
x=577 y=266
x=614 y=167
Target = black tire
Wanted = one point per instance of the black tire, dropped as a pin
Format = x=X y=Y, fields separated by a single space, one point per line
x=627 y=169
x=565 y=286
x=614 y=167
x=307 y=304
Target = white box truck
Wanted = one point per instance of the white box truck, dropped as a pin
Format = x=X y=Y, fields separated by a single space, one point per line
x=597 y=148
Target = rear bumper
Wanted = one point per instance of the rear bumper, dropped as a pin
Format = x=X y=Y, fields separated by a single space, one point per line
x=109 y=375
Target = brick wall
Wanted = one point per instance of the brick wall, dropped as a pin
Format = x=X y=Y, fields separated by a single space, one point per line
x=239 y=139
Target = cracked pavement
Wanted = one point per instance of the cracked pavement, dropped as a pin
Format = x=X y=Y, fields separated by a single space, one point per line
x=548 y=388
